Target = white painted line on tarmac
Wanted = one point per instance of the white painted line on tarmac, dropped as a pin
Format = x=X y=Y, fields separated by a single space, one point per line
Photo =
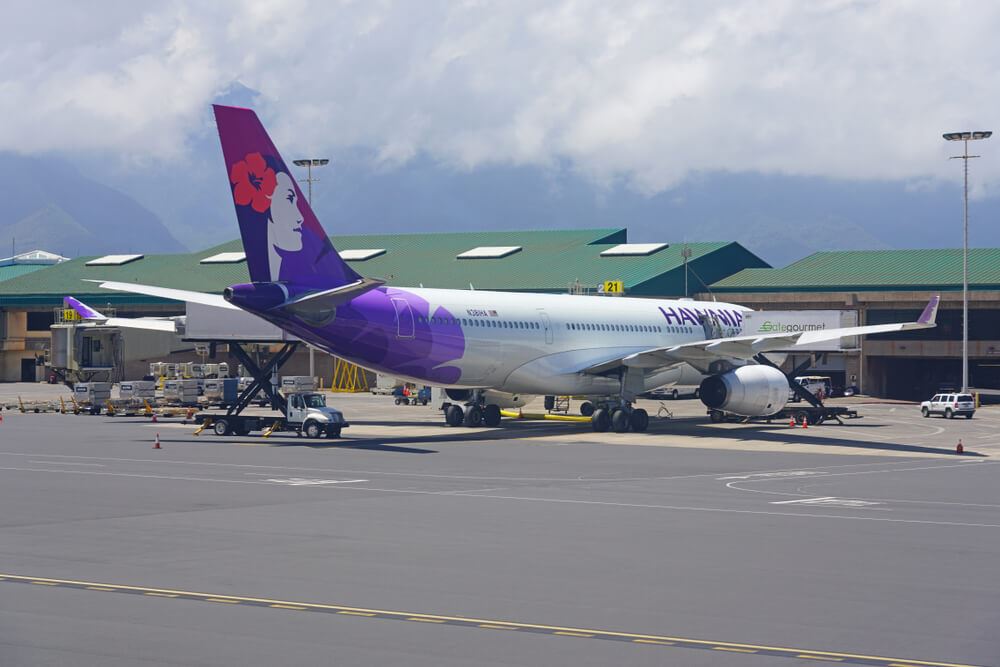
x=69 y=463
x=768 y=475
x=832 y=501
x=304 y=481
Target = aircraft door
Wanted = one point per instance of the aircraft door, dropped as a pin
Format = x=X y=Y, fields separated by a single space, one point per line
x=404 y=318
x=547 y=325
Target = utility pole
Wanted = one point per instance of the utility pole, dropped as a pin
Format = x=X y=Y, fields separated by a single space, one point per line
x=309 y=164
x=965 y=137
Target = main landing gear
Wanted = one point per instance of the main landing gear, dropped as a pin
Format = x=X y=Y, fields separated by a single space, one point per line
x=617 y=417
x=474 y=413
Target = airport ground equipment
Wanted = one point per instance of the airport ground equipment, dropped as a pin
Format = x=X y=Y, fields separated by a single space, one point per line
x=291 y=384
x=221 y=391
x=304 y=413
x=91 y=396
x=181 y=392
x=405 y=396
x=300 y=412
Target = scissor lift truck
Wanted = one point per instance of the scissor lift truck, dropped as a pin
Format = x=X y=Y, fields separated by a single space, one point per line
x=304 y=413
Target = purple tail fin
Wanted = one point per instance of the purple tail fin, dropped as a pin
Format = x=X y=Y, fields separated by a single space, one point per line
x=282 y=238
x=85 y=311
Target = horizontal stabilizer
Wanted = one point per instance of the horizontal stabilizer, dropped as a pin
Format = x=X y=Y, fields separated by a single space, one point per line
x=335 y=296
x=145 y=323
x=203 y=298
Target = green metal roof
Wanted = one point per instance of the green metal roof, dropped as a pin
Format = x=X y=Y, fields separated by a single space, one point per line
x=15 y=270
x=869 y=270
x=548 y=261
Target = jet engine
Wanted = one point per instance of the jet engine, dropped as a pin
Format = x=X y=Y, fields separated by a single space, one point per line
x=501 y=399
x=749 y=391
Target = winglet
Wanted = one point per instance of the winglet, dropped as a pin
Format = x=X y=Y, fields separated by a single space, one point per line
x=85 y=311
x=929 y=316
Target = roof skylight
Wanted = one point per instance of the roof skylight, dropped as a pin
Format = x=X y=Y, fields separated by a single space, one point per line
x=225 y=258
x=634 y=249
x=114 y=260
x=361 y=254
x=490 y=252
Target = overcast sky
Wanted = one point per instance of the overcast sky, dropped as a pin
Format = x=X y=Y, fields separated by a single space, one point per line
x=642 y=93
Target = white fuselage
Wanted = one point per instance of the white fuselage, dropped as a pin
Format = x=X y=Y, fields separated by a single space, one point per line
x=537 y=343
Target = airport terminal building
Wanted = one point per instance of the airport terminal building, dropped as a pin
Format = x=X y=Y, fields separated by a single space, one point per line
x=826 y=289
x=580 y=261
x=880 y=286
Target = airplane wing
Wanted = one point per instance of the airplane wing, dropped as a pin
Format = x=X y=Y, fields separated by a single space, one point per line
x=701 y=353
x=203 y=298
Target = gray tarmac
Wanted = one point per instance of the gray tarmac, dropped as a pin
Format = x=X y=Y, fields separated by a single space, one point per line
x=536 y=543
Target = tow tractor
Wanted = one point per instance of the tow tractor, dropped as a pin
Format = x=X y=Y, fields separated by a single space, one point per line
x=304 y=413
x=813 y=414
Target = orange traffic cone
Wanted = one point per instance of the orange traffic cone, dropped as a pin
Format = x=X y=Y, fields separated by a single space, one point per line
x=959 y=448
x=791 y=422
x=805 y=422
x=156 y=443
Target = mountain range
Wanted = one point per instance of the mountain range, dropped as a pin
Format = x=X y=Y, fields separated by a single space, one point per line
x=73 y=205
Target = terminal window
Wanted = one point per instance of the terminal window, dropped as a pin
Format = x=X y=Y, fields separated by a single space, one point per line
x=40 y=321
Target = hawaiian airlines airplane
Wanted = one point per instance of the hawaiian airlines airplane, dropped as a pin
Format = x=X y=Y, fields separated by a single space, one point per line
x=483 y=346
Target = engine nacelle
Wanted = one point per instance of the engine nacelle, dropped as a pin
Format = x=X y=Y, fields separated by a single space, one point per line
x=501 y=399
x=749 y=391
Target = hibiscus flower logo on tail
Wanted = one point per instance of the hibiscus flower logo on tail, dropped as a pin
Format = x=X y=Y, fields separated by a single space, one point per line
x=253 y=182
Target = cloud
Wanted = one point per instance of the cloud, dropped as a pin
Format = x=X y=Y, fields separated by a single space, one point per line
x=640 y=92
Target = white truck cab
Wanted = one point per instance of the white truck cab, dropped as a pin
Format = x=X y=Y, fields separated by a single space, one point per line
x=310 y=413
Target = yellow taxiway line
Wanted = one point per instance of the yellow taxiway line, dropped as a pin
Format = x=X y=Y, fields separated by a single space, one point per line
x=492 y=624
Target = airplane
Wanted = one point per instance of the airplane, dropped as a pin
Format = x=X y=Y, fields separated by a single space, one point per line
x=483 y=346
x=89 y=314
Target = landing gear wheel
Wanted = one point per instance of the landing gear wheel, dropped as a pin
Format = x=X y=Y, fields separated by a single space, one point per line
x=491 y=415
x=600 y=420
x=473 y=417
x=313 y=430
x=619 y=420
x=639 y=420
x=587 y=408
x=716 y=416
x=925 y=412
x=454 y=415
x=802 y=417
x=221 y=427
x=332 y=432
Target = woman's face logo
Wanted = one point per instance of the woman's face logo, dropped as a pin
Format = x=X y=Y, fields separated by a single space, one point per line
x=285 y=221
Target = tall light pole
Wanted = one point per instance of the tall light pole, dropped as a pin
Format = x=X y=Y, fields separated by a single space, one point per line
x=309 y=164
x=966 y=137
